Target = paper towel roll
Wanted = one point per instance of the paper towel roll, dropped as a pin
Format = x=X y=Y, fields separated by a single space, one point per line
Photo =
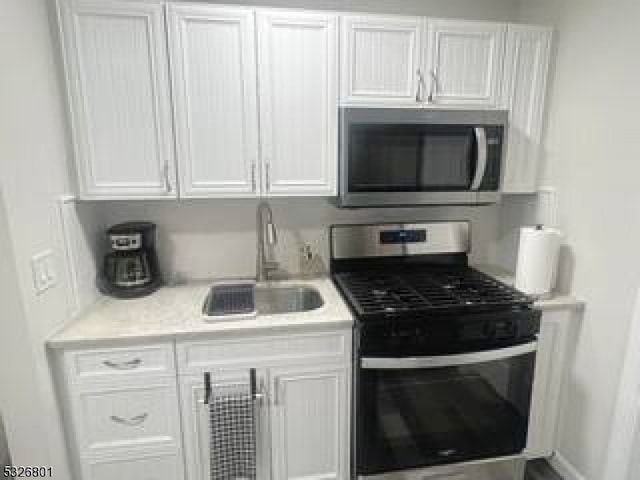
x=537 y=260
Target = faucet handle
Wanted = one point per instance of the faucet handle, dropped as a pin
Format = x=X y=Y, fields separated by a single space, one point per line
x=271 y=265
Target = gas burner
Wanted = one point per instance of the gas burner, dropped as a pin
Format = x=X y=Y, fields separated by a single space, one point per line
x=434 y=288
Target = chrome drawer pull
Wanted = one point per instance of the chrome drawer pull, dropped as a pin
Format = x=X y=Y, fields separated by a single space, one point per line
x=132 y=422
x=130 y=365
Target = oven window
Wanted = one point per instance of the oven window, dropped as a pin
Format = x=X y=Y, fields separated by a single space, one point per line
x=401 y=158
x=422 y=417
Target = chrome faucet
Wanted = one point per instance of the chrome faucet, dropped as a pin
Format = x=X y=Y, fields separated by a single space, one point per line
x=266 y=233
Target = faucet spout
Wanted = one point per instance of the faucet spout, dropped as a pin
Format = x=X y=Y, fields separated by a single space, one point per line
x=266 y=235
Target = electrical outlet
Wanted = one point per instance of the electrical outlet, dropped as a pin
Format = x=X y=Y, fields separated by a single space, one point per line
x=44 y=272
x=548 y=206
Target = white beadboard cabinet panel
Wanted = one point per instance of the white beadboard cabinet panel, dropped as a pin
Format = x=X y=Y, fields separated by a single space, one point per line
x=127 y=416
x=298 y=85
x=117 y=71
x=464 y=63
x=381 y=59
x=309 y=422
x=154 y=466
x=213 y=64
x=196 y=420
x=550 y=374
x=526 y=66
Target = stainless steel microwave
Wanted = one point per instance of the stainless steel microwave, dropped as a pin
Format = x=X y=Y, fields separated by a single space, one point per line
x=404 y=157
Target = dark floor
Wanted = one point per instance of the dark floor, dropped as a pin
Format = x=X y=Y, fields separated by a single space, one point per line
x=540 y=470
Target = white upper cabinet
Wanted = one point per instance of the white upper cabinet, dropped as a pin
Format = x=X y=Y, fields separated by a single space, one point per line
x=310 y=427
x=298 y=95
x=381 y=59
x=464 y=63
x=210 y=101
x=524 y=90
x=213 y=64
x=116 y=59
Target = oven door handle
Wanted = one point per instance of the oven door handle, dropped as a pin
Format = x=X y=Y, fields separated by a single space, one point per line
x=481 y=160
x=442 y=361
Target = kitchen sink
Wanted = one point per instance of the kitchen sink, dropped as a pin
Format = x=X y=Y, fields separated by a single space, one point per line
x=239 y=302
x=289 y=299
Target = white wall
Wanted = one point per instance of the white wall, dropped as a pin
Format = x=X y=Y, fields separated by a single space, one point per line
x=33 y=156
x=592 y=158
x=20 y=395
x=204 y=239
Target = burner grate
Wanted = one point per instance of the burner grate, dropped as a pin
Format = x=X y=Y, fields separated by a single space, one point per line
x=432 y=290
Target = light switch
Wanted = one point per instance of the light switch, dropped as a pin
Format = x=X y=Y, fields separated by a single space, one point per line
x=43 y=267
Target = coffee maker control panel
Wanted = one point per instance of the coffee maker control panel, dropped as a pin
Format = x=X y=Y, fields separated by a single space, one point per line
x=126 y=242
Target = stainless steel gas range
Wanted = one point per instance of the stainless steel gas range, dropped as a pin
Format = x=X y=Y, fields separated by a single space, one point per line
x=444 y=355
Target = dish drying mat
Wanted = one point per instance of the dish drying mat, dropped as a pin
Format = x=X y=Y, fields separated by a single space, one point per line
x=231 y=300
x=232 y=435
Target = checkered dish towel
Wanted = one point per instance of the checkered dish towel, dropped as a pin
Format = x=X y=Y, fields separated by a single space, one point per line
x=233 y=444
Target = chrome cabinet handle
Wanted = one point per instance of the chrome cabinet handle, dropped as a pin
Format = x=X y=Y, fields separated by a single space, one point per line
x=253 y=177
x=277 y=392
x=268 y=175
x=130 y=422
x=129 y=365
x=167 y=180
x=433 y=90
x=419 y=90
x=257 y=392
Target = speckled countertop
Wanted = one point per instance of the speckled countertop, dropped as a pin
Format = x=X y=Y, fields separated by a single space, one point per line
x=176 y=312
x=554 y=301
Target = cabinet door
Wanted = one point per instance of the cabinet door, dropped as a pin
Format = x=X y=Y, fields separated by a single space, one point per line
x=115 y=53
x=214 y=79
x=524 y=88
x=381 y=59
x=548 y=380
x=309 y=421
x=196 y=421
x=464 y=62
x=298 y=76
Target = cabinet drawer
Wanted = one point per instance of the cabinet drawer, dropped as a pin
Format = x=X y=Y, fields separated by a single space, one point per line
x=161 y=466
x=109 y=363
x=195 y=357
x=122 y=418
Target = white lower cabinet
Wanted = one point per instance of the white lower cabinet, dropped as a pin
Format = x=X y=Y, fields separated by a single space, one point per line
x=123 y=413
x=550 y=372
x=302 y=419
x=309 y=422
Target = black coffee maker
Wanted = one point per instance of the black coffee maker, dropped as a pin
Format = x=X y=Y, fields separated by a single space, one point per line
x=131 y=269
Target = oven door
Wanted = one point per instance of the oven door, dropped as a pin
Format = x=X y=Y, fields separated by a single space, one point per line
x=425 y=411
x=406 y=157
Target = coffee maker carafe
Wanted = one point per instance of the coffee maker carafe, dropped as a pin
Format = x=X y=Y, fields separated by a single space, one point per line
x=131 y=267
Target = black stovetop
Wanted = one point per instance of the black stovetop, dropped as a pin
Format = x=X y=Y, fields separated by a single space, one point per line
x=430 y=289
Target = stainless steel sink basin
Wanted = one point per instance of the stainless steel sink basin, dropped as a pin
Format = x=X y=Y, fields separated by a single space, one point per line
x=287 y=299
x=235 y=300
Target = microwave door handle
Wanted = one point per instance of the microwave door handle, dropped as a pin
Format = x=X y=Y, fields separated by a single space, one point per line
x=443 y=361
x=481 y=160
